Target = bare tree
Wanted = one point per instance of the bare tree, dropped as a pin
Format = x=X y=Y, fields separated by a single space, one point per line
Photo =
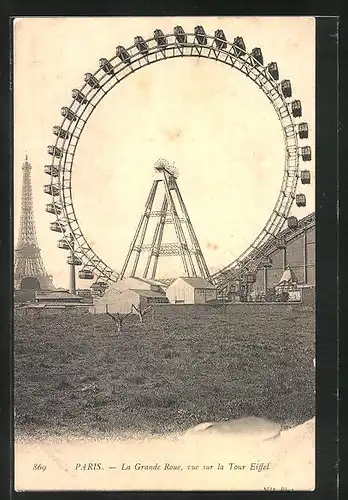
x=118 y=318
x=141 y=312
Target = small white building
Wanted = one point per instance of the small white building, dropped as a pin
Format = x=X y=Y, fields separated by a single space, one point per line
x=137 y=291
x=191 y=291
x=123 y=302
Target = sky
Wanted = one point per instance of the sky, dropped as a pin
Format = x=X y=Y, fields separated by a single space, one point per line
x=213 y=122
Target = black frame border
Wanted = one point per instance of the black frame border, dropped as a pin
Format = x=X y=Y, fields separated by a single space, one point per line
x=327 y=259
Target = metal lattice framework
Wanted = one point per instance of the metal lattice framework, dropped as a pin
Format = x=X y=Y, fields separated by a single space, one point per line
x=254 y=260
x=172 y=206
x=113 y=71
x=28 y=261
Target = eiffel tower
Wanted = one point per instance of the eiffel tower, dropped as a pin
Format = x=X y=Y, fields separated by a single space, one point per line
x=29 y=269
x=172 y=212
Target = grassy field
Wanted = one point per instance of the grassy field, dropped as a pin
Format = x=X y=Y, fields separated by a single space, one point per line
x=75 y=375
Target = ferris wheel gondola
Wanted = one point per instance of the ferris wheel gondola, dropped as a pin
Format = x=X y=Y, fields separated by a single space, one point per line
x=126 y=61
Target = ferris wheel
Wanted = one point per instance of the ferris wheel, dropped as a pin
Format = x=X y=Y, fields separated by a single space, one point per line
x=125 y=62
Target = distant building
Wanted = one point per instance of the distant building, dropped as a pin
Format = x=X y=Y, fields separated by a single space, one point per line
x=141 y=299
x=58 y=298
x=299 y=254
x=288 y=285
x=22 y=296
x=137 y=291
x=86 y=294
x=288 y=278
x=190 y=291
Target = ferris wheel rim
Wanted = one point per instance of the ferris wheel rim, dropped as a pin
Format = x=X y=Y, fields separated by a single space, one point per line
x=252 y=68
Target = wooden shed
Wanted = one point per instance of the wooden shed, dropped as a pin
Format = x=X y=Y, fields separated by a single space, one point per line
x=191 y=291
x=119 y=299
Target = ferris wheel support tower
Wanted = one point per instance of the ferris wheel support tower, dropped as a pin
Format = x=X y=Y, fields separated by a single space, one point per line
x=173 y=211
